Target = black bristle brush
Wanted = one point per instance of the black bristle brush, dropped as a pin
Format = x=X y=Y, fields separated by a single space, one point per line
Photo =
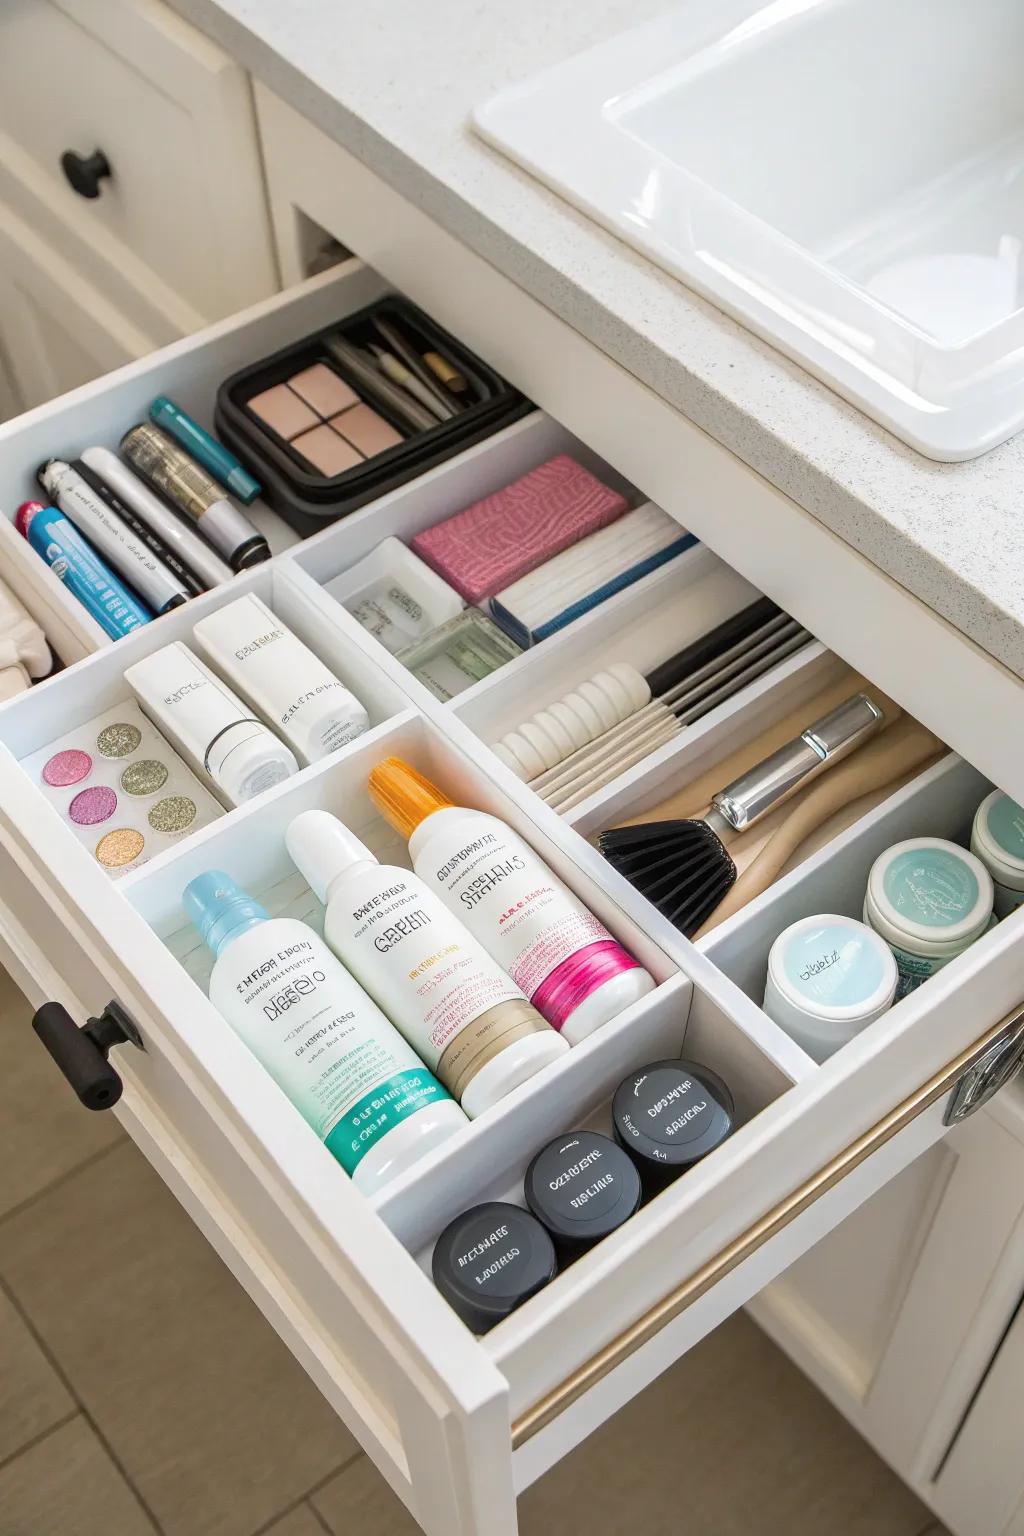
x=684 y=867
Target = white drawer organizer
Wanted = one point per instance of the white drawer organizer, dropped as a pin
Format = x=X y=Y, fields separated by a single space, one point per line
x=459 y=1425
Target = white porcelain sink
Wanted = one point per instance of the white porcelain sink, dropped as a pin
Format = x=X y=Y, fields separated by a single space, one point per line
x=844 y=176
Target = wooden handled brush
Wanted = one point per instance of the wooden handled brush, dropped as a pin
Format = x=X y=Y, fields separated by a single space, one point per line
x=684 y=867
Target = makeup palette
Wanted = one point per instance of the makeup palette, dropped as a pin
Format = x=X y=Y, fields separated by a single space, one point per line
x=324 y=420
x=357 y=409
x=121 y=788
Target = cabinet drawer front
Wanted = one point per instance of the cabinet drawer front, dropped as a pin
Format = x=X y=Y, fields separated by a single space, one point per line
x=172 y=114
x=457 y=1423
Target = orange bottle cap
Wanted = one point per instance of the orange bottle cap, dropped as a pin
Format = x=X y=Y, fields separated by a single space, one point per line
x=404 y=796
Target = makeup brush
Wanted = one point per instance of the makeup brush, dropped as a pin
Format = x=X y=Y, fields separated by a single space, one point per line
x=897 y=753
x=684 y=867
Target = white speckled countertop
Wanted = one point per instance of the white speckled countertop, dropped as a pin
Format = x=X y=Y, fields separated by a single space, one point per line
x=394 y=82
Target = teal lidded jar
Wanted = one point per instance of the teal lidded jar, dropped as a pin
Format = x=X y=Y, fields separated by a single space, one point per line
x=929 y=899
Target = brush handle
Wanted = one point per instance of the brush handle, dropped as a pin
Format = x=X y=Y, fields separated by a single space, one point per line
x=900 y=750
x=826 y=742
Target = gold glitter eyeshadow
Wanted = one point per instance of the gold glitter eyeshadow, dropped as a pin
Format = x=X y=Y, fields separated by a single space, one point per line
x=144 y=777
x=118 y=740
x=173 y=814
x=120 y=847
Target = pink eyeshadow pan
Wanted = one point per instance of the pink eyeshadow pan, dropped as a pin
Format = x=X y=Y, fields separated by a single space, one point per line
x=326 y=451
x=322 y=388
x=98 y=803
x=369 y=432
x=283 y=411
x=68 y=767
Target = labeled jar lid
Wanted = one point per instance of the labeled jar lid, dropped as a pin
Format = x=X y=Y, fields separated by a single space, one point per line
x=581 y=1186
x=669 y=1115
x=998 y=839
x=928 y=895
x=491 y=1259
x=828 y=977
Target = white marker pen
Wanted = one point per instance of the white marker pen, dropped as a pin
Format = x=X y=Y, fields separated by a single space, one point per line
x=111 y=538
x=174 y=531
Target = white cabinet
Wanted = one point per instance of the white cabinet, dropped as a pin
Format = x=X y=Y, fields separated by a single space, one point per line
x=56 y=330
x=900 y=1316
x=459 y=1424
x=183 y=204
x=178 y=232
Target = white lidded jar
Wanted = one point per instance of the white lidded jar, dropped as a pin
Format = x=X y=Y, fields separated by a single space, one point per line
x=461 y=1013
x=565 y=960
x=828 y=978
x=930 y=900
x=346 y=1069
x=286 y=683
x=997 y=838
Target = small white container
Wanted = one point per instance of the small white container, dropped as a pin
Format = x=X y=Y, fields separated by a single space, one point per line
x=828 y=978
x=930 y=900
x=211 y=728
x=286 y=683
x=997 y=838
x=395 y=596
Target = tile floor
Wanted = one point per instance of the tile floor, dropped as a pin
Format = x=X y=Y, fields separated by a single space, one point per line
x=141 y=1392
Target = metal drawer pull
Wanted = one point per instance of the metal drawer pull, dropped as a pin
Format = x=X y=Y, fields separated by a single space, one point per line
x=1004 y=1043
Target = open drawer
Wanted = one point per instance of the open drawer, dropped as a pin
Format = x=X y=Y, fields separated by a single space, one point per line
x=460 y=1424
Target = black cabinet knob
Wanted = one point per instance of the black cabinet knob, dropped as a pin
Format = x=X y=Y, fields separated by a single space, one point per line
x=82 y=1053
x=85 y=172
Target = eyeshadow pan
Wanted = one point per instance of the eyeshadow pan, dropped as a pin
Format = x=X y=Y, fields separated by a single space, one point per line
x=67 y=767
x=366 y=430
x=92 y=805
x=119 y=847
x=324 y=390
x=173 y=814
x=283 y=411
x=118 y=740
x=326 y=451
x=144 y=777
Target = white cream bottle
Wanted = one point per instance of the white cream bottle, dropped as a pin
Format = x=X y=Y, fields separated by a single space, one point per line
x=210 y=726
x=286 y=683
x=346 y=1069
x=570 y=967
x=459 y=1011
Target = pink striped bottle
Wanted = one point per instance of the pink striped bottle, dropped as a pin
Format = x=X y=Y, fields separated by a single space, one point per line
x=570 y=967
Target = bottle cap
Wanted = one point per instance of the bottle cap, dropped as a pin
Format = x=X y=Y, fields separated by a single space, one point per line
x=669 y=1115
x=581 y=1186
x=404 y=796
x=322 y=848
x=489 y=1260
x=219 y=908
x=24 y=515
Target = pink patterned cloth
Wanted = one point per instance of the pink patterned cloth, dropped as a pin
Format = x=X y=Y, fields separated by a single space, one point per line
x=487 y=546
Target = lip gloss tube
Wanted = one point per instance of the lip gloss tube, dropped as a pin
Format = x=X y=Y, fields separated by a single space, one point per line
x=76 y=564
x=91 y=515
x=211 y=454
x=159 y=460
x=169 y=526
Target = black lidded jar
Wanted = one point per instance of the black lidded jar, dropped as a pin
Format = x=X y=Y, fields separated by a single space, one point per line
x=491 y=1259
x=668 y=1116
x=582 y=1187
